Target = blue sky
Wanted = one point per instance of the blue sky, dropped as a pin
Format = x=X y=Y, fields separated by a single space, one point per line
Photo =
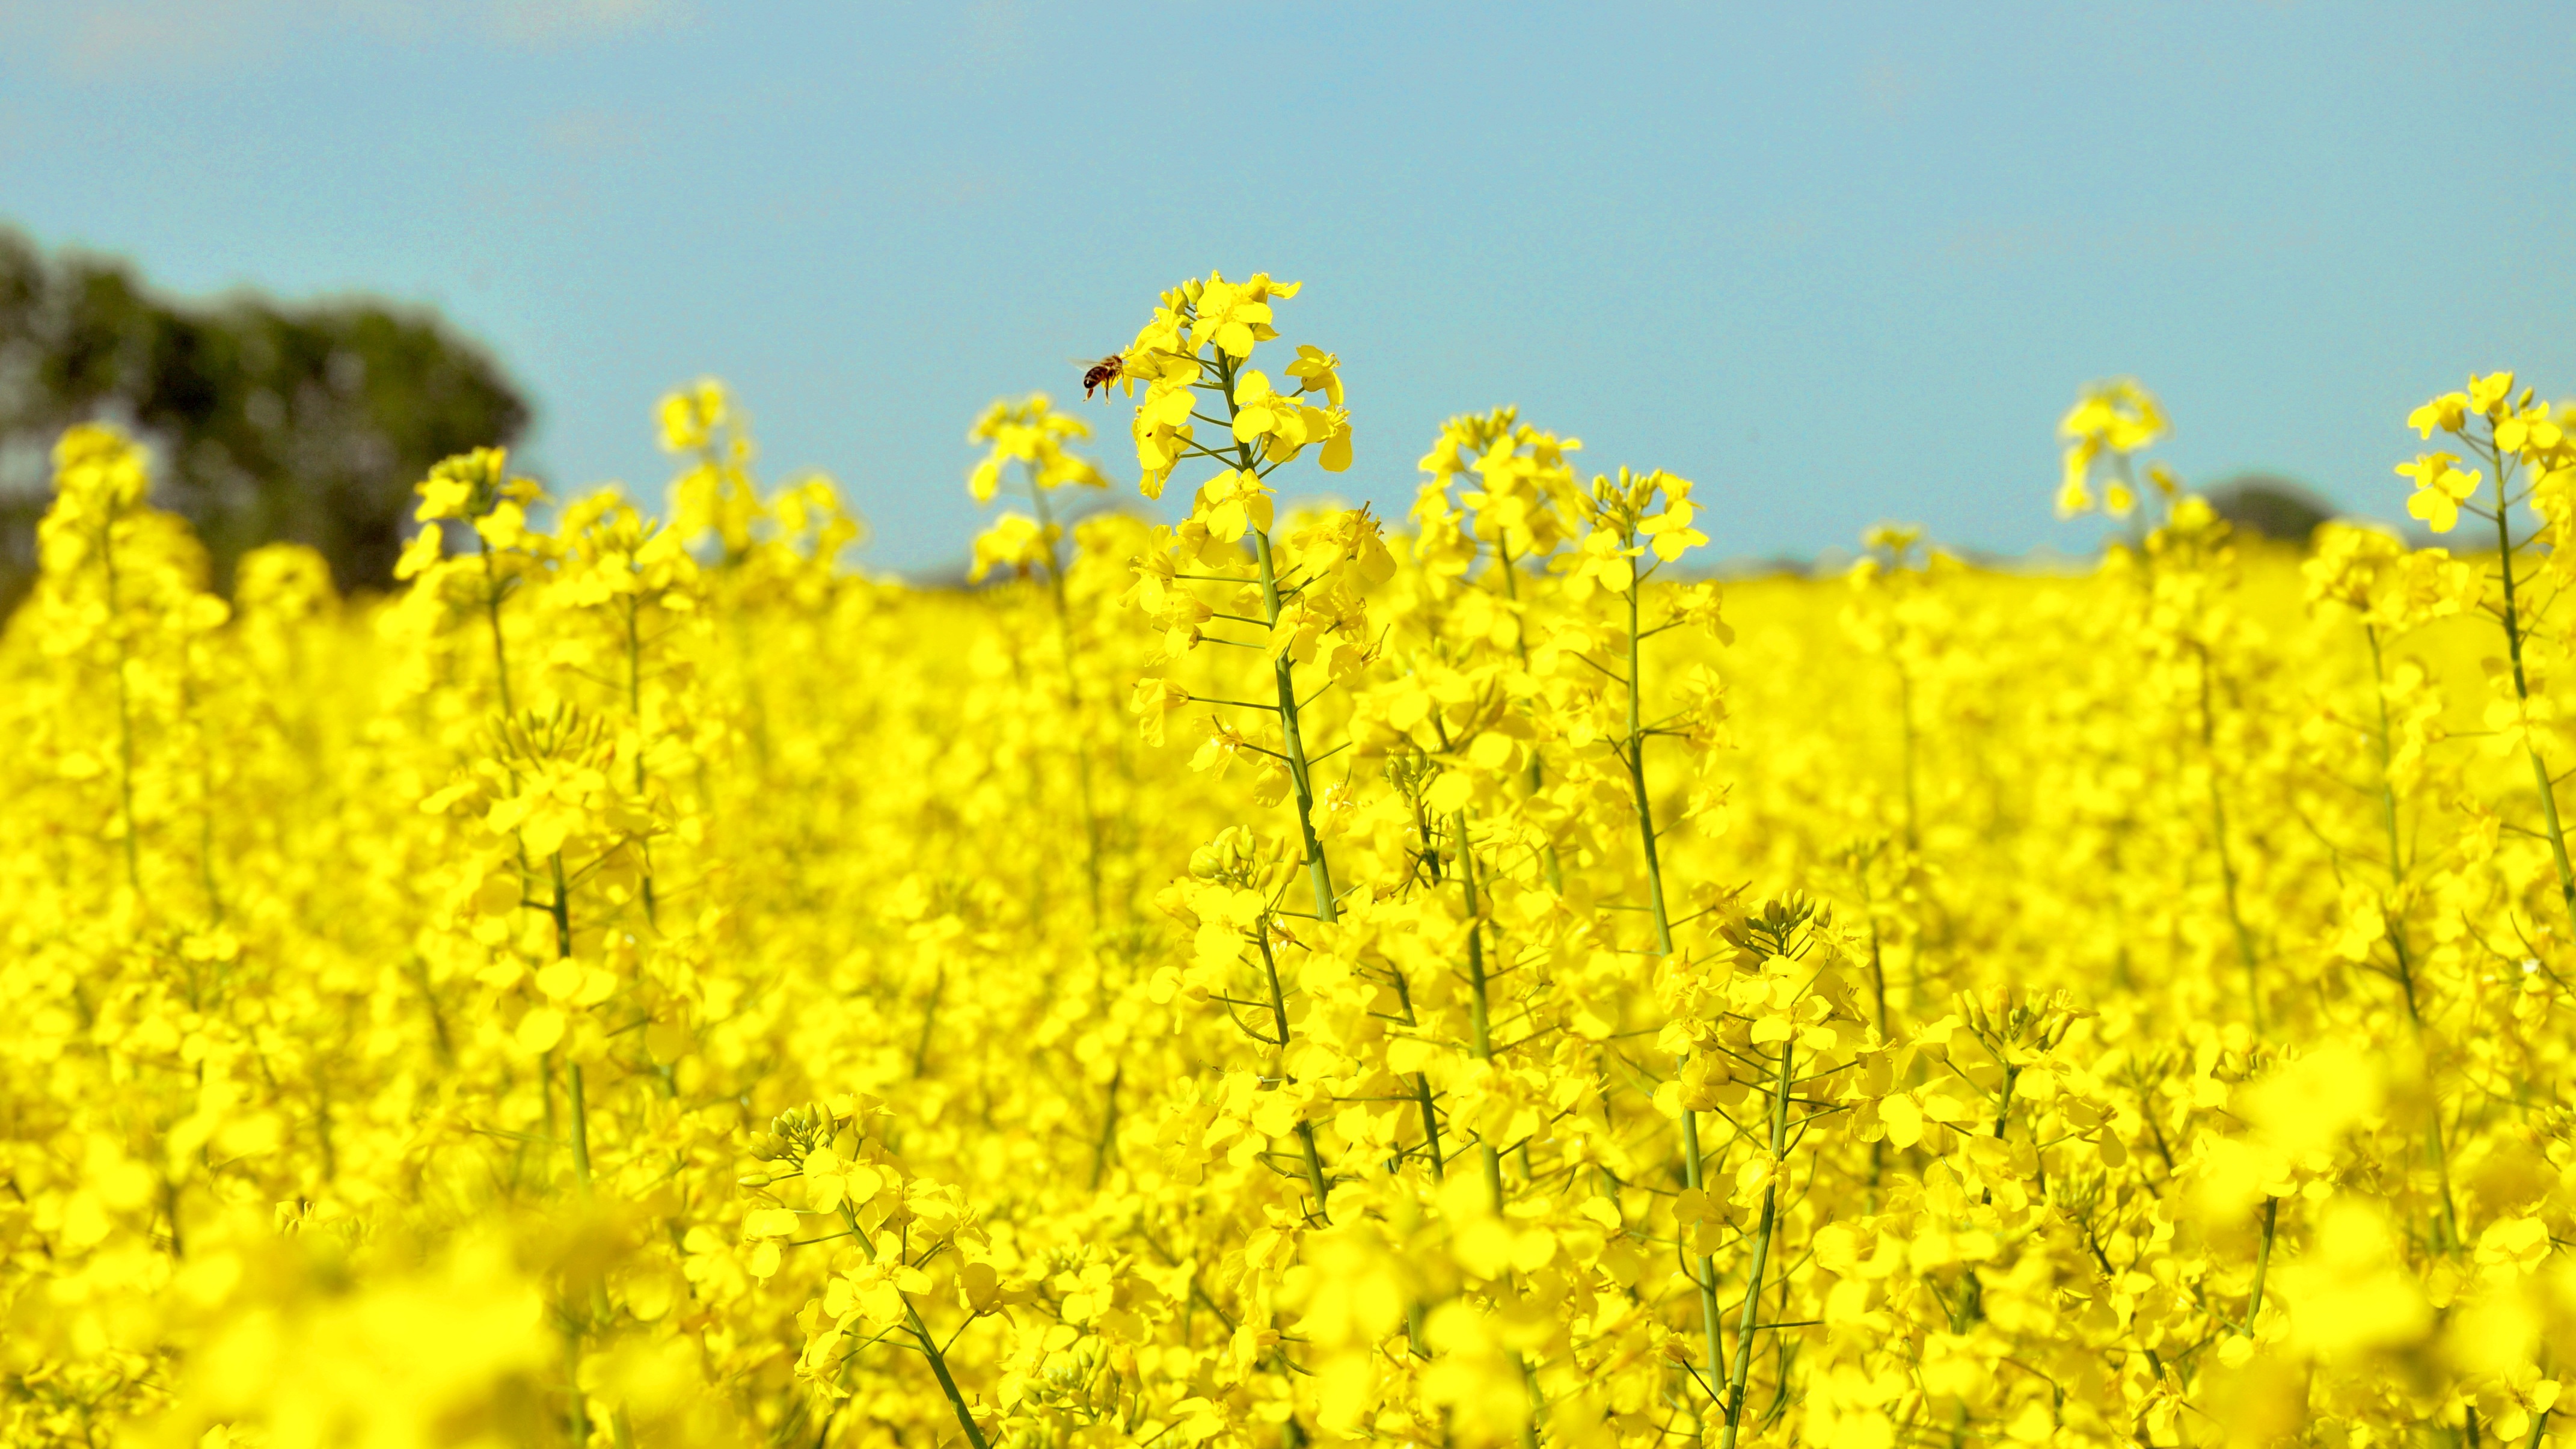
x=1837 y=263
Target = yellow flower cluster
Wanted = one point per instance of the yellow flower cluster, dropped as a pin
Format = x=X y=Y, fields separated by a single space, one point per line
x=1272 y=980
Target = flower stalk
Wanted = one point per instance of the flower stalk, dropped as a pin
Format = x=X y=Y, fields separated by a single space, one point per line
x=1761 y=1266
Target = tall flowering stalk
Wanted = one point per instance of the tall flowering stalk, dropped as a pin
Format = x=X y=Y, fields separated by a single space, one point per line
x=1195 y=355
x=2186 y=566
x=2531 y=460
x=1301 y=596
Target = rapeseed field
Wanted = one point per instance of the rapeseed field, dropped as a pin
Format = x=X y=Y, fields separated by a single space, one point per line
x=1293 y=976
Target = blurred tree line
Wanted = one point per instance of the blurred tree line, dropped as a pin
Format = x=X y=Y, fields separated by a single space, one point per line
x=2279 y=508
x=308 y=422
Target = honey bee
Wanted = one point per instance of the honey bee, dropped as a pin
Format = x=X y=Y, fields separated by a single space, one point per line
x=1101 y=375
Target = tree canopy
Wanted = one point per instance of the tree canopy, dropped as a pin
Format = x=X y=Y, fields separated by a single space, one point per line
x=307 y=422
x=2271 y=505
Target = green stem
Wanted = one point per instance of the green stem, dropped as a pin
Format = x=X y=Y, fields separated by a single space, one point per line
x=1321 y=1185
x=1101 y=1149
x=1712 y=1328
x=1430 y=1123
x=1278 y=999
x=1284 y=673
x=1293 y=739
x=1877 y=953
x=1315 y=1178
x=2522 y=688
x=580 y=1133
x=562 y=912
x=170 y=1207
x=939 y=1369
x=2262 y=1263
x=2397 y=927
x=1293 y=743
x=579 y=1410
x=1711 y=1325
x=1636 y=753
x=1479 y=1002
x=1761 y=1253
x=929 y=1021
x=546 y=1089
x=1480 y=1016
x=922 y=1336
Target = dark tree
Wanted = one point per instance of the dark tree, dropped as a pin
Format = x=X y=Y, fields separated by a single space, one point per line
x=2275 y=507
x=306 y=422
